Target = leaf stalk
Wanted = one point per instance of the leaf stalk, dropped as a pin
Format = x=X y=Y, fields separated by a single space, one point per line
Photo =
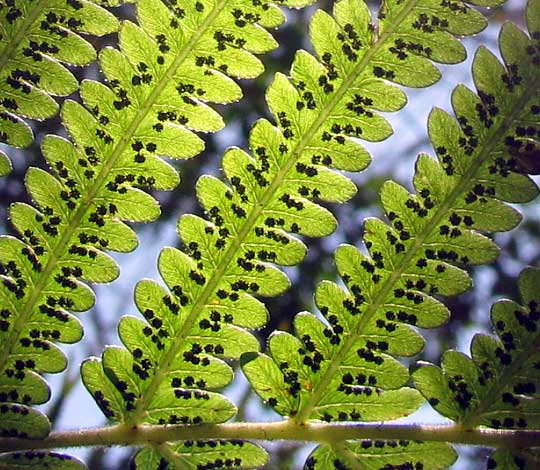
x=329 y=433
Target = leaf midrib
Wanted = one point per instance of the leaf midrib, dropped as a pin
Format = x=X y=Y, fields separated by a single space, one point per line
x=59 y=250
x=493 y=139
x=163 y=367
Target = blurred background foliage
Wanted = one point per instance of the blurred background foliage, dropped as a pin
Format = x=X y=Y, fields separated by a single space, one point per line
x=392 y=159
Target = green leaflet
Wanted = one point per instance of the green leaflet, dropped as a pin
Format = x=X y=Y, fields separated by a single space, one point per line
x=38 y=460
x=527 y=459
x=203 y=454
x=498 y=386
x=160 y=82
x=22 y=421
x=5 y=164
x=108 y=398
x=378 y=454
x=37 y=38
x=273 y=193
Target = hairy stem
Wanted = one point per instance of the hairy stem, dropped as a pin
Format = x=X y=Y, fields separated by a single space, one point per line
x=329 y=433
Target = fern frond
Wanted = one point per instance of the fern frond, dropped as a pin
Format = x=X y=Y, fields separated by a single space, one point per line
x=342 y=367
x=498 y=386
x=37 y=40
x=167 y=69
x=272 y=195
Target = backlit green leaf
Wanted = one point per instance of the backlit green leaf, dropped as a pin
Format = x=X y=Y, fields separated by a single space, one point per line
x=23 y=422
x=271 y=197
x=194 y=455
x=39 y=460
x=497 y=387
x=378 y=454
x=171 y=64
x=37 y=40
